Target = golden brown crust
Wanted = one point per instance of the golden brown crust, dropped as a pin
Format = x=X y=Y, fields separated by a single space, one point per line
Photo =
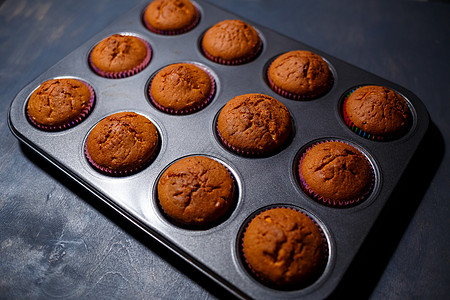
x=378 y=110
x=336 y=171
x=119 y=53
x=254 y=123
x=58 y=101
x=181 y=87
x=231 y=40
x=302 y=73
x=196 y=190
x=285 y=247
x=122 y=141
x=170 y=15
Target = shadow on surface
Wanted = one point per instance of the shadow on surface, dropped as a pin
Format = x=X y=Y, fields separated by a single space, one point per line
x=370 y=262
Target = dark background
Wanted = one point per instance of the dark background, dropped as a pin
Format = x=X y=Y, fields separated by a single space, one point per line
x=57 y=241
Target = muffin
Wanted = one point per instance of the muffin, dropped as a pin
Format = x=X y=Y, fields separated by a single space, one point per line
x=299 y=75
x=181 y=88
x=170 y=17
x=196 y=191
x=58 y=104
x=122 y=144
x=284 y=248
x=120 y=56
x=377 y=112
x=254 y=124
x=335 y=173
x=231 y=42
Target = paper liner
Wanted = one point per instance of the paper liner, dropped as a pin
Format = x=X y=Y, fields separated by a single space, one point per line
x=293 y=96
x=191 y=109
x=367 y=135
x=127 y=73
x=238 y=61
x=327 y=201
x=173 y=32
x=82 y=116
x=211 y=223
x=272 y=284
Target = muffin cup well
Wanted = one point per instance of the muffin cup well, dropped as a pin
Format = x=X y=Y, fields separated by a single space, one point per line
x=330 y=202
x=82 y=116
x=207 y=225
x=126 y=73
x=256 y=274
x=191 y=109
x=293 y=96
x=367 y=135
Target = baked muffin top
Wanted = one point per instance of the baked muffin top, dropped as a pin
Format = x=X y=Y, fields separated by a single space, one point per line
x=300 y=74
x=196 y=190
x=181 y=87
x=231 y=41
x=254 y=123
x=336 y=171
x=378 y=110
x=119 y=53
x=170 y=16
x=284 y=247
x=58 y=102
x=122 y=141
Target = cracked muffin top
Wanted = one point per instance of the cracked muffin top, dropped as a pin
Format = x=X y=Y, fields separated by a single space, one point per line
x=181 y=88
x=378 y=110
x=119 y=53
x=231 y=42
x=122 y=143
x=299 y=74
x=285 y=248
x=171 y=16
x=335 y=171
x=254 y=124
x=196 y=190
x=59 y=103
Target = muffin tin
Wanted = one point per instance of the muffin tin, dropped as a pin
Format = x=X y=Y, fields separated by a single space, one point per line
x=261 y=182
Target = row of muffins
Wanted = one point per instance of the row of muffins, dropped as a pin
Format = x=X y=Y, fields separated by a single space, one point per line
x=282 y=246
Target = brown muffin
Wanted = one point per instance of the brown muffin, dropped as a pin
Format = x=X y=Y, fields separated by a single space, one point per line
x=58 y=104
x=181 y=88
x=285 y=248
x=335 y=173
x=122 y=143
x=120 y=56
x=171 y=17
x=196 y=190
x=231 y=42
x=254 y=124
x=377 y=112
x=299 y=75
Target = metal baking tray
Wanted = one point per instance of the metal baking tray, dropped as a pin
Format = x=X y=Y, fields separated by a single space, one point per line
x=261 y=182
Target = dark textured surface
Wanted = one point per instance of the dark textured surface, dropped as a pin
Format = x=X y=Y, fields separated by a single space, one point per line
x=57 y=241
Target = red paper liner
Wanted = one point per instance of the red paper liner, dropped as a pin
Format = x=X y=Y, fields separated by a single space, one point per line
x=364 y=134
x=238 y=61
x=272 y=284
x=293 y=96
x=173 y=32
x=327 y=201
x=82 y=116
x=191 y=109
x=127 y=73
